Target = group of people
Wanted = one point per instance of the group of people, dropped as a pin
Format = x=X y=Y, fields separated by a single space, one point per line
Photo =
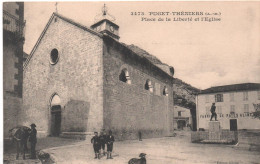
x=100 y=141
x=21 y=135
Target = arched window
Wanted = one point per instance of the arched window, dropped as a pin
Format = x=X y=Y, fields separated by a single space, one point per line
x=124 y=76
x=148 y=85
x=165 y=91
x=55 y=100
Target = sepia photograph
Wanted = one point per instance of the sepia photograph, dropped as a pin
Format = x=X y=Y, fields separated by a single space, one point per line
x=131 y=82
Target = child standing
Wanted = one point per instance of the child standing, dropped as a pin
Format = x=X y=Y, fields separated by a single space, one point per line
x=96 y=145
x=110 y=141
x=102 y=139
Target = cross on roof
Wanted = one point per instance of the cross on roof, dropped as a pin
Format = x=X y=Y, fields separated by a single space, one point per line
x=56 y=6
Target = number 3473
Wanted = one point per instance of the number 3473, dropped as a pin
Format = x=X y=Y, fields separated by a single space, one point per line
x=137 y=13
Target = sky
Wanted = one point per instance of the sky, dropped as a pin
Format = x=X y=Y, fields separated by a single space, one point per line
x=203 y=54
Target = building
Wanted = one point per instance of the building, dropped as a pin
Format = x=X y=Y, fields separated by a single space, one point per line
x=235 y=105
x=78 y=80
x=184 y=104
x=182 y=118
x=13 y=41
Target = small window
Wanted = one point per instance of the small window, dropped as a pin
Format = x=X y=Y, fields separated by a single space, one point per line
x=232 y=109
x=246 y=108
x=219 y=98
x=165 y=91
x=231 y=97
x=179 y=113
x=219 y=110
x=148 y=85
x=124 y=76
x=54 y=56
x=17 y=12
x=245 y=96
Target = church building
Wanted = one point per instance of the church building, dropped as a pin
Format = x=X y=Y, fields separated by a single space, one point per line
x=80 y=79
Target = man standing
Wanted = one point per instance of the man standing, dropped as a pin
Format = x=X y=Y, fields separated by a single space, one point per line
x=110 y=141
x=33 y=140
x=96 y=145
x=213 y=112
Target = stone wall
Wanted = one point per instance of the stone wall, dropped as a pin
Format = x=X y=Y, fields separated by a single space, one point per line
x=130 y=108
x=12 y=107
x=12 y=64
x=76 y=78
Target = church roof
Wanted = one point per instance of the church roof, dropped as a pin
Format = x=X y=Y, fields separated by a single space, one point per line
x=136 y=50
x=232 y=88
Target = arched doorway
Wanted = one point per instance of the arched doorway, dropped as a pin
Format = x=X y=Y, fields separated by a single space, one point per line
x=55 y=115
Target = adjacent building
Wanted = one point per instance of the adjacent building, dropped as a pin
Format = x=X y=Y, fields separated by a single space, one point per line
x=182 y=118
x=234 y=106
x=78 y=80
x=13 y=41
x=184 y=105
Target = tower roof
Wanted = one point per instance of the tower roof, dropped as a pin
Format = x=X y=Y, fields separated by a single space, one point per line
x=104 y=15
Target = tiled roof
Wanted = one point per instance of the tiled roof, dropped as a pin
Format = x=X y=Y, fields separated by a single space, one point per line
x=232 y=88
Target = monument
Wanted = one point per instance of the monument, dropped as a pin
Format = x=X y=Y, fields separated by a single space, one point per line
x=215 y=134
x=214 y=131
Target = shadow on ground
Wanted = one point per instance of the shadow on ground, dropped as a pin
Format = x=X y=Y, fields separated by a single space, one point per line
x=42 y=143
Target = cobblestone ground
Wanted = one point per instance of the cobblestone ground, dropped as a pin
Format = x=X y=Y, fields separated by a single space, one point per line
x=45 y=143
x=166 y=150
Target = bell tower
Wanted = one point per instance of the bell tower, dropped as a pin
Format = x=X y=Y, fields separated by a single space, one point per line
x=104 y=23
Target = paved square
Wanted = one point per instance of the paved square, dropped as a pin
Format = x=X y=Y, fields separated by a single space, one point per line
x=166 y=150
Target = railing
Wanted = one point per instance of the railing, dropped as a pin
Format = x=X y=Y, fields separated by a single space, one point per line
x=13 y=24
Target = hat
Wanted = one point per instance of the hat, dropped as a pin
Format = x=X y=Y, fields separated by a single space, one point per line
x=33 y=125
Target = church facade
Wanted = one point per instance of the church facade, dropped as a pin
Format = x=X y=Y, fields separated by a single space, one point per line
x=78 y=80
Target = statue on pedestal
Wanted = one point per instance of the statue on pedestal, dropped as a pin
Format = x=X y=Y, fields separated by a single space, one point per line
x=213 y=112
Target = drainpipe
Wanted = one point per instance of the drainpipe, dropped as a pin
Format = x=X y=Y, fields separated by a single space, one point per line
x=197 y=111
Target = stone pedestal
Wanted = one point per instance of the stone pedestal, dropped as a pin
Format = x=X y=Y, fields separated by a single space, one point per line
x=215 y=135
x=214 y=130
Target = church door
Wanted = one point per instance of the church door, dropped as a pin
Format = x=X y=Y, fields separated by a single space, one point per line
x=55 y=120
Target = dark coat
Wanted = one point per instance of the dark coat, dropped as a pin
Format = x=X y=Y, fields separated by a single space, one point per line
x=33 y=136
x=95 y=140
x=110 y=139
x=102 y=139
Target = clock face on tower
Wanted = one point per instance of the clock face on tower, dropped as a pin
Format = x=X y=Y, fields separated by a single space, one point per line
x=111 y=28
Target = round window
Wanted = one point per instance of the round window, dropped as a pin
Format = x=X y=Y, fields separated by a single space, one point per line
x=54 y=57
